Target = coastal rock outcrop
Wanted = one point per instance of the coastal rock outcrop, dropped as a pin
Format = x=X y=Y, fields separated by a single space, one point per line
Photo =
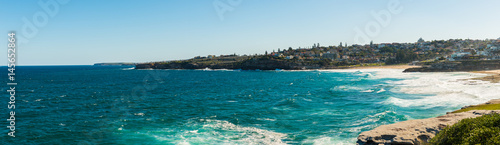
x=415 y=132
x=264 y=63
x=453 y=66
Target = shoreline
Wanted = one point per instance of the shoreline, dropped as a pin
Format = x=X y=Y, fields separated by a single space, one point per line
x=493 y=76
x=400 y=66
x=494 y=72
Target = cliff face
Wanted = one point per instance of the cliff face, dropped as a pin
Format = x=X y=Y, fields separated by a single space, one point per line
x=451 y=66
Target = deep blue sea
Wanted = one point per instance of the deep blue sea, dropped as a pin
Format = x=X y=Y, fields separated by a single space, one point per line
x=120 y=105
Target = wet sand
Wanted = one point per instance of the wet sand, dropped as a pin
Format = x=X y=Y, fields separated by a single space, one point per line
x=494 y=76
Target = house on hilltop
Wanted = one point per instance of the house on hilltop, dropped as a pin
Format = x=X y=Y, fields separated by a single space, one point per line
x=420 y=40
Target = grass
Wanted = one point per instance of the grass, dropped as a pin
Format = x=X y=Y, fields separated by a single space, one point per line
x=480 y=107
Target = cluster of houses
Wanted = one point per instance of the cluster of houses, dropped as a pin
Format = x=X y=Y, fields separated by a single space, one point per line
x=453 y=49
x=476 y=49
x=370 y=53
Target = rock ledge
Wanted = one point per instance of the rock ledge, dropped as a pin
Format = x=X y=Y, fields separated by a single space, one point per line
x=415 y=132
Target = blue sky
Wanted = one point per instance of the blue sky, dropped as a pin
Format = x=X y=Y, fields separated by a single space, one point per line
x=84 y=32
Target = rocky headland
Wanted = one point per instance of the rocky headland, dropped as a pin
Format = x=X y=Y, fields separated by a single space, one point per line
x=244 y=63
x=458 y=66
x=420 y=131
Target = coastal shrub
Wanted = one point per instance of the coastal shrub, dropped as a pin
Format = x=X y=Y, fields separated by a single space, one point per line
x=481 y=130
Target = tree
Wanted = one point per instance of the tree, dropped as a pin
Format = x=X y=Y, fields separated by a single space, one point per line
x=387 y=50
x=289 y=48
x=340 y=44
x=279 y=50
x=266 y=52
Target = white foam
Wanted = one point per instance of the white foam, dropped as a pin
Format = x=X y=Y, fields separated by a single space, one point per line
x=209 y=131
x=139 y=114
x=266 y=119
x=381 y=90
x=347 y=88
x=250 y=135
x=209 y=69
x=327 y=140
x=381 y=114
x=450 y=89
x=367 y=91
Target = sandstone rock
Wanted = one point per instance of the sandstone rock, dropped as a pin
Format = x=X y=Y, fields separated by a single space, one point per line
x=418 y=131
x=453 y=66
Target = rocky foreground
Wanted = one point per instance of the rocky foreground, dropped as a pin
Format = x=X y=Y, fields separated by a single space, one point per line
x=416 y=132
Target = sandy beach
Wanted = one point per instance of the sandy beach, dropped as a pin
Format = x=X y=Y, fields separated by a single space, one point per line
x=494 y=72
x=385 y=67
x=494 y=76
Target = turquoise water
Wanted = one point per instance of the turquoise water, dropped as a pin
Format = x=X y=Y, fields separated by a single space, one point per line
x=119 y=105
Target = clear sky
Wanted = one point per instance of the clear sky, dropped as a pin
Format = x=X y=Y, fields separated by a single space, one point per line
x=83 y=32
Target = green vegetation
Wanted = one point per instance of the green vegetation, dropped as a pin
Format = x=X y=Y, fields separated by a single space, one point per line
x=328 y=57
x=480 y=107
x=481 y=130
x=405 y=56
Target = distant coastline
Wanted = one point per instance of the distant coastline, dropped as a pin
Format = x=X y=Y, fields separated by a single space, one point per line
x=425 y=53
x=265 y=63
x=257 y=64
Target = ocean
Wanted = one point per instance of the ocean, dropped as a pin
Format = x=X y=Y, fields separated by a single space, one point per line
x=120 y=105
